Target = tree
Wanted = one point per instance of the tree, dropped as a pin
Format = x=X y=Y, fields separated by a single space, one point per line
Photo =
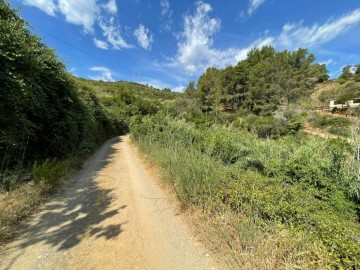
x=357 y=73
x=190 y=90
x=209 y=89
x=346 y=73
x=265 y=79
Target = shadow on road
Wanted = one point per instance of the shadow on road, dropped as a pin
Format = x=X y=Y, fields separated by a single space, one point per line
x=79 y=209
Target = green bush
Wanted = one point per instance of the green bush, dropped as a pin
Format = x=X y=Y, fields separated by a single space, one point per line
x=265 y=126
x=49 y=171
x=341 y=81
x=335 y=125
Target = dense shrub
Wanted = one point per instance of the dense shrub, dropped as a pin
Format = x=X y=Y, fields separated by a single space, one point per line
x=336 y=125
x=49 y=171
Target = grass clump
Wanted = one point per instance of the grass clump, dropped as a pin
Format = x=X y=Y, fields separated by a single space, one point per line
x=19 y=198
x=49 y=171
x=17 y=205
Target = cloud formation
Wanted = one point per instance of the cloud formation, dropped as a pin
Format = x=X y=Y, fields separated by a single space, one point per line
x=111 y=31
x=196 y=50
x=48 y=6
x=166 y=14
x=101 y=44
x=104 y=74
x=111 y=6
x=80 y=12
x=87 y=14
x=165 y=7
x=143 y=36
x=295 y=35
x=254 y=5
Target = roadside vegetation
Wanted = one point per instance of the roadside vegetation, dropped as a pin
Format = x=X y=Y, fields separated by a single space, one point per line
x=304 y=192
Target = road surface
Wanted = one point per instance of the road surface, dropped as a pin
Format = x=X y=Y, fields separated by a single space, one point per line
x=111 y=215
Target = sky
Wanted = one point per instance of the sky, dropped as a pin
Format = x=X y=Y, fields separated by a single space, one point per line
x=167 y=43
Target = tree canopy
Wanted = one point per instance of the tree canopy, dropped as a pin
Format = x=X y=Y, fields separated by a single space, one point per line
x=265 y=79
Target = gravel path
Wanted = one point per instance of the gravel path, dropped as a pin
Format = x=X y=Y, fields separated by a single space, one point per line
x=111 y=215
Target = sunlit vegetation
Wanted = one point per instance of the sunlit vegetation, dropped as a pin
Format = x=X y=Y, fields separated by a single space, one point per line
x=305 y=187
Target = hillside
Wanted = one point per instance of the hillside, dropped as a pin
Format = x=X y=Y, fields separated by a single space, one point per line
x=323 y=88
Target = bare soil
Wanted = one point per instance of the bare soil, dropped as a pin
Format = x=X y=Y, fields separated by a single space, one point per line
x=111 y=215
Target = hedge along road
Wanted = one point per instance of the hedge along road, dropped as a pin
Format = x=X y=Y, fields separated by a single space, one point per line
x=111 y=215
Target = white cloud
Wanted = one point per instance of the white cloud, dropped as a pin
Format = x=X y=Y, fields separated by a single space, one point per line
x=166 y=14
x=327 y=62
x=87 y=13
x=80 y=12
x=104 y=74
x=154 y=83
x=165 y=7
x=144 y=38
x=47 y=6
x=159 y=84
x=295 y=35
x=111 y=7
x=180 y=88
x=73 y=71
x=112 y=33
x=254 y=5
x=101 y=44
x=195 y=45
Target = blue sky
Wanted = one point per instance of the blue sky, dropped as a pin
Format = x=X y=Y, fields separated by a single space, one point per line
x=167 y=43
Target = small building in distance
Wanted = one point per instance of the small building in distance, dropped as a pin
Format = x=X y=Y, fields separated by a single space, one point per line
x=348 y=104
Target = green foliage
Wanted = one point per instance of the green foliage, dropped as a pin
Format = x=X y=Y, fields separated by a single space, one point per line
x=208 y=92
x=349 y=91
x=341 y=81
x=265 y=127
x=42 y=113
x=303 y=185
x=336 y=125
x=261 y=82
x=190 y=90
x=346 y=73
x=293 y=125
x=357 y=73
x=271 y=126
x=49 y=171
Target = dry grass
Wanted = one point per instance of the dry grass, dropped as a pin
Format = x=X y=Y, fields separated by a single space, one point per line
x=323 y=87
x=240 y=244
x=23 y=200
x=17 y=205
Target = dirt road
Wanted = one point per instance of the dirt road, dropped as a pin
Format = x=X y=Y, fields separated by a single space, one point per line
x=111 y=215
